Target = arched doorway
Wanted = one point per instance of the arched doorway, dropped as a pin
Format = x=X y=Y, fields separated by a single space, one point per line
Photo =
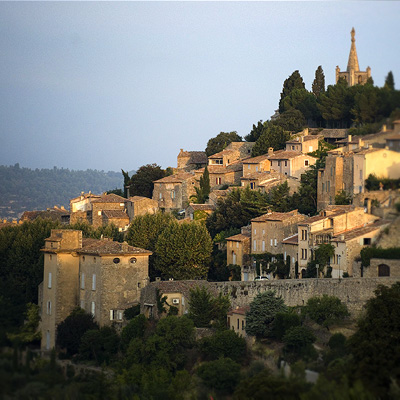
x=383 y=270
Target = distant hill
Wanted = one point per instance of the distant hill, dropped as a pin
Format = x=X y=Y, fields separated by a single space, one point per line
x=24 y=189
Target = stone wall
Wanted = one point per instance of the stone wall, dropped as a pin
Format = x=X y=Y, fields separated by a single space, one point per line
x=354 y=292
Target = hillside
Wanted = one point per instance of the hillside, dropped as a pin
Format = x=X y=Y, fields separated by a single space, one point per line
x=24 y=189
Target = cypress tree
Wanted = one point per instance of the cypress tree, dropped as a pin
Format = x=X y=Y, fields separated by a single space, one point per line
x=389 y=81
x=318 y=85
x=295 y=81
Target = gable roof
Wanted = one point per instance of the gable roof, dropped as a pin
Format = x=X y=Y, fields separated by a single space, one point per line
x=180 y=177
x=110 y=198
x=276 y=216
x=105 y=246
x=255 y=160
x=285 y=155
x=116 y=214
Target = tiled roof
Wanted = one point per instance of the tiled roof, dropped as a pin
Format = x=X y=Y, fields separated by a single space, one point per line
x=239 y=310
x=198 y=157
x=294 y=239
x=284 y=155
x=223 y=153
x=175 y=178
x=334 y=133
x=259 y=175
x=360 y=231
x=116 y=214
x=134 y=199
x=85 y=196
x=276 y=216
x=367 y=151
x=255 y=160
x=104 y=246
x=110 y=198
x=239 y=237
x=394 y=137
x=202 y=207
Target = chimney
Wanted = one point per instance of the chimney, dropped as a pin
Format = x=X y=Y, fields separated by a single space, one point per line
x=305 y=131
x=384 y=128
x=270 y=151
x=349 y=138
x=396 y=126
x=301 y=139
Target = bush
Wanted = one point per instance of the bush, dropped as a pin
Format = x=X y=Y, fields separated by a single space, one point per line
x=282 y=322
x=222 y=375
x=298 y=343
x=132 y=312
x=325 y=310
x=225 y=343
x=135 y=329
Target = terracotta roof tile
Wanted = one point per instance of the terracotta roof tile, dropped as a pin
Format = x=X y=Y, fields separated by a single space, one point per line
x=276 y=216
x=104 y=246
x=117 y=214
x=360 y=231
x=176 y=178
x=110 y=198
x=294 y=239
x=241 y=237
x=284 y=155
x=255 y=160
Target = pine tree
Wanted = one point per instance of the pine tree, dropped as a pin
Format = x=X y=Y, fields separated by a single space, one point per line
x=295 y=81
x=318 y=85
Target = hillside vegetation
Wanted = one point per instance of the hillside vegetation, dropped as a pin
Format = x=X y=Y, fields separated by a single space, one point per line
x=24 y=189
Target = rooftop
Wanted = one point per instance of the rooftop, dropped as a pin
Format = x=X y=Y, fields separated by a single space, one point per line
x=110 y=198
x=239 y=237
x=175 y=178
x=255 y=160
x=115 y=214
x=360 y=231
x=294 y=239
x=276 y=216
x=284 y=155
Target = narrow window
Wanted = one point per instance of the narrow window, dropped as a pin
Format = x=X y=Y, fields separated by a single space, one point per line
x=306 y=163
x=93 y=308
x=49 y=282
x=49 y=307
x=285 y=163
x=254 y=245
x=94 y=282
x=83 y=281
x=82 y=304
x=263 y=245
x=271 y=242
x=275 y=242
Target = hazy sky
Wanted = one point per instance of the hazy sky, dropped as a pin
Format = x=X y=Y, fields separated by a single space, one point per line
x=118 y=85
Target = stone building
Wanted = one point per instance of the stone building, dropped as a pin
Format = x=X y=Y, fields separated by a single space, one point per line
x=106 y=203
x=255 y=165
x=290 y=163
x=236 y=320
x=101 y=276
x=173 y=192
x=349 y=244
x=348 y=170
x=304 y=144
x=194 y=209
x=332 y=221
x=353 y=75
x=191 y=160
x=238 y=250
x=139 y=205
x=221 y=175
x=265 y=181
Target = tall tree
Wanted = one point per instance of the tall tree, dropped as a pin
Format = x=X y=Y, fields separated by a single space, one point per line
x=256 y=132
x=141 y=183
x=274 y=136
x=291 y=120
x=203 y=191
x=218 y=143
x=389 y=81
x=183 y=251
x=295 y=81
x=318 y=85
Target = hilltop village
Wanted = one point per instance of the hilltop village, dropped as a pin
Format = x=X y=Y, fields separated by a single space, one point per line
x=287 y=216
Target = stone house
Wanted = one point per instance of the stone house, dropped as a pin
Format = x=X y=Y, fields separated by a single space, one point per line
x=255 y=165
x=191 y=210
x=265 y=181
x=238 y=249
x=139 y=205
x=290 y=248
x=224 y=157
x=55 y=214
x=110 y=202
x=348 y=171
x=349 y=244
x=173 y=192
x=236 y=320
x=353 y=75
x=304 y=144
x=221 y=175
x=331 y=136
x=290 y=163
x=332 y=221
x=381 y=267
x=81 y=208
x=191 y=160
x=102 y=277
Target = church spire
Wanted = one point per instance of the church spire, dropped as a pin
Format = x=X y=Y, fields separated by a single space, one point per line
x=353 y=59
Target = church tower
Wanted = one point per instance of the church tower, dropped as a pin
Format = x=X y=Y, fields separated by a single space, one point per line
x=353 y=75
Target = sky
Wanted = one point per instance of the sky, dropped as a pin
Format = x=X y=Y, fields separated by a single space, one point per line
x=111 y=85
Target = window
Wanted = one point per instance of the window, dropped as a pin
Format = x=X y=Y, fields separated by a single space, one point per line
x=94 y=282
x=82 y=304
x=256 y=169
x=160 y=196
x=361 y=174
x=275 y=242
x=98 y=212
x=238 y=323
x=49 y=281
x=248 y=166
x=284 y=256
x=383 y=270
x=116 y=315
x=255 y=231
x=173 y=194
x=271 y=242
x=329 y=186
x=306 y=163
x=285 y=163
x=303 y=234
x=263 y=245
x=237 y=244
x=279 y=163
x=51 y=257
x=331 y=171
x=254 y=245
x=293 y=260
x=242 y=325
x=323 y=187
x=116 y=260
x=83 y=281
x=121 y=204
x=93 y=308
x=310 y=149
x=293 y=147
x=139 y=285
x=338 y=259
x=252 y=185
x=367 y=241
x=218 y=181
x=48 y=308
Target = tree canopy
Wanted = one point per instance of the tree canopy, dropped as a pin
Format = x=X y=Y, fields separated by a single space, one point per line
x=262 y=312
x=273 y=136
x=183 y=250
x=141 y=183
x=318 y=85
x=218 y=143
x=294 y=81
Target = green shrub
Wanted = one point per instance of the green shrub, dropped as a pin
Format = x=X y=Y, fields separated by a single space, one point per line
x=325 y=310
x=282 y=322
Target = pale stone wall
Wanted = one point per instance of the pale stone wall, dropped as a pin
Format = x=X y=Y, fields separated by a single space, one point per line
x=97 y=213
x=291 y=250
x=237 y=322
x=372 y=270
x=262 y=166
x=141 y=207
x=235 y=251
x=354 y=292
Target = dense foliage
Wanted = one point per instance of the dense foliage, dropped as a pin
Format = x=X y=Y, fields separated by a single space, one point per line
x=218 y=143
x=24 y=189
x=263 y=310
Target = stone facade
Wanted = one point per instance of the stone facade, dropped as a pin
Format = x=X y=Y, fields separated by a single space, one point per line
x=291 y=163
x=191 y=160
x=238 y=249
x=354 y=292
x=100 y=276
x=304 y=144
x=139 y=205
x=353 y=75
x=380 y=267
x=236 y=320
x=173 y=192
x=256 y=164
x=108 y=202
x=221 y=175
